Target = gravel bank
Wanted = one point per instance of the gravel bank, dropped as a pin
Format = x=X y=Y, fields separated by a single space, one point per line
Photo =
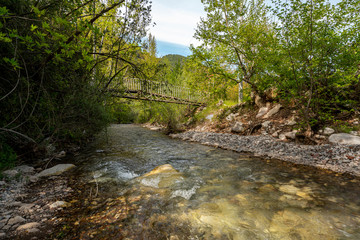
x=338 y=158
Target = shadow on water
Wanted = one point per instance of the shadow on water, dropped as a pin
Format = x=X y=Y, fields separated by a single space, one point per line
x=200 y=192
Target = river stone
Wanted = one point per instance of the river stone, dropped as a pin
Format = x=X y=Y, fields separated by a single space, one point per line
x=289 y=189
x=10 y=173
x=290 y=135
x=15 y=220
x=262 y=112
x=24 y=169
x=163 y=176
x=58 y=204
x=273 y=111
x=328 y=131
x=344 y=138
x=237 y=127
x=56 y=170
x=232 y=116
x=266 y=124
x=28 y=226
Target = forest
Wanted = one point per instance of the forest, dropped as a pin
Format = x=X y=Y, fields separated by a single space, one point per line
x=59 y=58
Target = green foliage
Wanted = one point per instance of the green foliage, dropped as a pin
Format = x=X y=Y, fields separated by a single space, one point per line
x=57 y=60
x=7 y=156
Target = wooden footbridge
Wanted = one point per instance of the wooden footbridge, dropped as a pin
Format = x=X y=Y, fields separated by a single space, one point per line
x=133 y=88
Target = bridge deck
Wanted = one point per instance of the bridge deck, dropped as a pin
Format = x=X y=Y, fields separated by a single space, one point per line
x=157 y=91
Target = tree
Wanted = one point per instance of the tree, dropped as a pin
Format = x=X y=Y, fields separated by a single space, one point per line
x=236 y=40
x=49 y=50
x=319 y=53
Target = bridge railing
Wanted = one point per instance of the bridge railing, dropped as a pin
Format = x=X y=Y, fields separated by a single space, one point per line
x=147 y=87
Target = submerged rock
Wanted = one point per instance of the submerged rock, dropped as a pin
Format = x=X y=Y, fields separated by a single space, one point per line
x=344 y=138
x=56 y=170
x=163 y=176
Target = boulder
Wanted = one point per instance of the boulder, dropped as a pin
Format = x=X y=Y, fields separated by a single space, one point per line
x=262 y=112
x=273 y=111
x=344 y=138
x=56 y=170
x=237 y=127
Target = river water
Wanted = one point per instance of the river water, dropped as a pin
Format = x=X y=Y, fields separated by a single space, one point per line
x=199 y=192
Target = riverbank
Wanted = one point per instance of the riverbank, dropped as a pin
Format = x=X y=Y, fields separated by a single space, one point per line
x=334 y=157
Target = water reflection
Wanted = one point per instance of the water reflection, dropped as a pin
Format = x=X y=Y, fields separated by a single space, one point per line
x=197 y=192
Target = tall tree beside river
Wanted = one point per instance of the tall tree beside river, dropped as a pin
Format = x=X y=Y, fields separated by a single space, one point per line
x=57 y=57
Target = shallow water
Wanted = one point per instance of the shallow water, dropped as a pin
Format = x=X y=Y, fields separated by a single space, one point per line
x=205 y=193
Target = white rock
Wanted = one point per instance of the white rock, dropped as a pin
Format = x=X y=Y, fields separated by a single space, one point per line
x=290 y=135
x=275 y=134
x=58 y=204
x=355 y=133
x=282 y=137
x=237 y=127
x=10 y=173
x=232 y=116
x=328 y=131
x=2 y=183
x=344 y=138
x=15 y=220
x=262 y=112
x=317 y=136
x=291 y=123
x=266 y=124
x=56 y=170
x=2 y=234
x=28 y=226
x=24 y=169
x=61 y=154
x=273 y=111
x=210 y=117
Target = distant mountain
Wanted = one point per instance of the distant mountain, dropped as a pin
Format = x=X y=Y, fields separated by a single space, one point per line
x=165 y=48
x=173 y=59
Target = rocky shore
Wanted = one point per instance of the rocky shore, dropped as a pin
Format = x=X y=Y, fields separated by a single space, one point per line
x=30 y=199
x=340 y=158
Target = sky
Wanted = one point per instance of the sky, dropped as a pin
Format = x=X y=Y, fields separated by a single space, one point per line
x=176 y=20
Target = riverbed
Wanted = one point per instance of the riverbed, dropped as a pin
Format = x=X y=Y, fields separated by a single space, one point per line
x=201 y=192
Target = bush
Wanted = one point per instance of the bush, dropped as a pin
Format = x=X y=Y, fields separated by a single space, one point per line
x=7 y=156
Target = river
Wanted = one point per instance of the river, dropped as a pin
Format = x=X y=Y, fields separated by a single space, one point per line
x=199 y=192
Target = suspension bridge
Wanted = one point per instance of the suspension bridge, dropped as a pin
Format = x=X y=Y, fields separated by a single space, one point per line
x=133 y=88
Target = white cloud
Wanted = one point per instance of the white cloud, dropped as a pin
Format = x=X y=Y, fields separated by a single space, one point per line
x=176 y=21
